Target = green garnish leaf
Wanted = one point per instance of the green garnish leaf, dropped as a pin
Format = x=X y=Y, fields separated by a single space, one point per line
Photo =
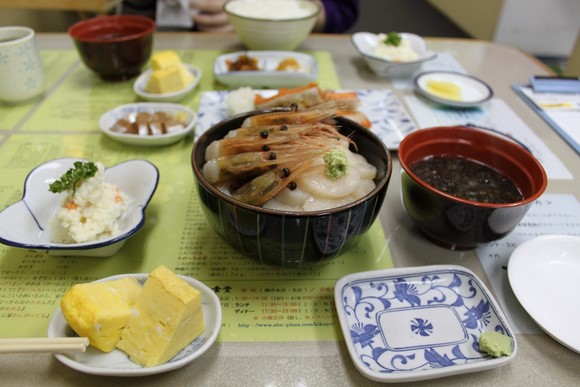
x=81 y=171
x=393 y=39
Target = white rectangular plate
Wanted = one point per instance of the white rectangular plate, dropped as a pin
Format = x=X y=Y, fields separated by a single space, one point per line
x=267 y=76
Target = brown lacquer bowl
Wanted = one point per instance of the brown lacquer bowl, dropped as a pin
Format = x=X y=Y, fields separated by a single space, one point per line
x=456 y=222
x=292 y=239
x=116 y=47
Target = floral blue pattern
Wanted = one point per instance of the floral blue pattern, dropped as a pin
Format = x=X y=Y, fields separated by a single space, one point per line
x=419 y=321
x=390 y=121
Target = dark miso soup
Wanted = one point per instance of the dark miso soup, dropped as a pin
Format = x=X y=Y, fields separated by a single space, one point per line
x=467 y=179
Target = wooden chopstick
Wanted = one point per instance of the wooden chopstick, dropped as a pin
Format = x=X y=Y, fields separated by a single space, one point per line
x=47 y=345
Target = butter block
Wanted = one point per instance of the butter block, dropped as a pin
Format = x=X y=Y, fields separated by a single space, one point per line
x=164 y=59
x=495 y=344
x=167 y=317
x=448 y=90
x=100 y=310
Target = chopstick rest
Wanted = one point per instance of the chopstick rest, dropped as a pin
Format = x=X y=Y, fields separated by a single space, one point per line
x=46 y=345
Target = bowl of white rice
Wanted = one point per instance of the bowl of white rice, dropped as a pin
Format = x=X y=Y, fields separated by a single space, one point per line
x=94 y=218
x=272 y=24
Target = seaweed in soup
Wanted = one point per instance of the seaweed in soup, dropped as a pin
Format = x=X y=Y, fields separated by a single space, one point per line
x=467 y=179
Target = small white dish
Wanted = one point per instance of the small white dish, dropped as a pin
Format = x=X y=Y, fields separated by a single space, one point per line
x=141 y=82
x=418 y=323
x=27 y=223
x=117 y=363
x=474 y=91
x=109 y=119
x=268 y=76
x=543 y=273
x=365 y=43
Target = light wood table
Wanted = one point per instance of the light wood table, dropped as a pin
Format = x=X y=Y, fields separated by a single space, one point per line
x=541 y=361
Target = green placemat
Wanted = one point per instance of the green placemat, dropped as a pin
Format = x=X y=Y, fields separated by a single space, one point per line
x=259 y=303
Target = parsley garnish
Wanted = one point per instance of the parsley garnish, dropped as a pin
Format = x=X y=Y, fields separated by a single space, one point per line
x=68 y=181
x=393 y=39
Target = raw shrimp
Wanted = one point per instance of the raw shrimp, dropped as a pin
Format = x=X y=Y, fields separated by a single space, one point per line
x=273 y=137
x=249 y=164
x=303 y=96
x=344 y=100
x=262 y=188
x=356 y=116
x=294 y=117
x=256 y=162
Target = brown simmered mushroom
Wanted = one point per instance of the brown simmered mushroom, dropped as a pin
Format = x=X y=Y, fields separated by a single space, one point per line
x=145 y=124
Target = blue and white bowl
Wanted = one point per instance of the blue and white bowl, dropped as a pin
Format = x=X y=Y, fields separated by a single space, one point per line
x=27 y=223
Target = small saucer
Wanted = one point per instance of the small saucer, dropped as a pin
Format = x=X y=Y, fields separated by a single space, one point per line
x=139 y=87
x=418 y=323
x=108 y=120
x=474 y=92
x=117 y=363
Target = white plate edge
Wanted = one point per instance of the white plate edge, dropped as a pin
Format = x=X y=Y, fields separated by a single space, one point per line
x=144 y=371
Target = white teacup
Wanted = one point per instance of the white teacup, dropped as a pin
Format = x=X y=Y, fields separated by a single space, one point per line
x=21 y=70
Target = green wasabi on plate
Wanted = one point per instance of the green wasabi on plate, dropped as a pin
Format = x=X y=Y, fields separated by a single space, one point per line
x=495 y=344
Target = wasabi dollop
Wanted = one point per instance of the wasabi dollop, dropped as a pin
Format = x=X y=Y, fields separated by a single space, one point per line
x=495 y=344
x=336 y=164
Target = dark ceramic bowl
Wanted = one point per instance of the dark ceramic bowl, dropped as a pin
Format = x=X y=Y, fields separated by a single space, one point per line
x=458 y=223
x=116 y=47
x=292 y=239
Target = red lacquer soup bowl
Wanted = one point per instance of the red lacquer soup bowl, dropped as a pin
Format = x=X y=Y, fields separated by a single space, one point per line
x=116 y=47
x=452 y=219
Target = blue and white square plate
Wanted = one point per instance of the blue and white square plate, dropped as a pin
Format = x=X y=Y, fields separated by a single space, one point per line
x=418 y=323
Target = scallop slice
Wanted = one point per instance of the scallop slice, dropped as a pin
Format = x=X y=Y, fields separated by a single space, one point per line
x=275 y=204
x=293 y=198
x=366 y=170
x=364 y=188
x=319 y=204
x=212 y=151
x=210 y=171
x=317 y=184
